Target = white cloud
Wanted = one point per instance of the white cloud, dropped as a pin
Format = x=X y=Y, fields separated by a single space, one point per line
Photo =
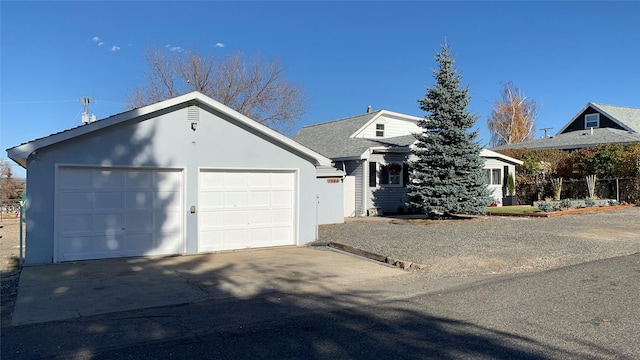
x=100 y=43
x=174 y=48
x=115 y=48
x=219 y=45
x=96 y=39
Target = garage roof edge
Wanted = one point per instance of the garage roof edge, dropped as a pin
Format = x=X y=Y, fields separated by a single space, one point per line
x=20 y=153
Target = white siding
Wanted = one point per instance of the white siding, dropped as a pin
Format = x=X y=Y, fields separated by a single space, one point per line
x=392 y=128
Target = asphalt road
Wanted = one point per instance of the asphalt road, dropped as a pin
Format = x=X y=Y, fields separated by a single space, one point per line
x=586 y=311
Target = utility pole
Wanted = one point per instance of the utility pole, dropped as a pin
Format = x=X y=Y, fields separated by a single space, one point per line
x=545 y=130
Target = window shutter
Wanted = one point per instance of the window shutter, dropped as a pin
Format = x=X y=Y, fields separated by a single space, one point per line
x=372 y=173
x=405 y=174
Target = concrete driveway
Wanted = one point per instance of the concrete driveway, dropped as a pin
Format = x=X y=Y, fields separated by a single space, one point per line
x=86 y=288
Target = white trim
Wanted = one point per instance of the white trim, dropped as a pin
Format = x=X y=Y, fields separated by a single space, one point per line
x=486 y=153
x=597 y=120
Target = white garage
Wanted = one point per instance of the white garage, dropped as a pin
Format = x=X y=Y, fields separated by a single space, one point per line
x=183 y=176
x=111 y=212
x=246 y=209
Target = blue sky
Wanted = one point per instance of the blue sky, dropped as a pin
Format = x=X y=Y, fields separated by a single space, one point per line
x=347 y=55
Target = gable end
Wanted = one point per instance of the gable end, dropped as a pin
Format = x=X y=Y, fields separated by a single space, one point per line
x=580 y=122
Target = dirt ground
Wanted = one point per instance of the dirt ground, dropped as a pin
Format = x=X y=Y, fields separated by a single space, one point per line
x=9 y=269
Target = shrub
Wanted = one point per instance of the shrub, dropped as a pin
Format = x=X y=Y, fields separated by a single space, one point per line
x=589 y=202
x=565 y=203
x=545 y=206
x=613 y=202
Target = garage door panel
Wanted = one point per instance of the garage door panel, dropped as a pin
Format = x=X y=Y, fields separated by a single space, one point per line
x=118 y=213
x=282 y=198
x=235 y=180
x=167 y=200
x=260 y=217
x=281 y=216
x=235 y=199
x=167 y=181
x=77 y=245
x=241 y=209
x=259 y=198
x=107 y=179
x=211 y=219
x=281 y=180
x=73 y=223
x=211 y=199
x=211 y=180
x=139 y=222
x=236 y=219
x=169 y=222
x=259 y=179
x=139 y=200
x=140 y=242
x=112 y=243
x=75 y=179
x=108 y=201
x=104 y=222
x=282 y=235
x=236 y=238
x=139 y=180
x=77 y=200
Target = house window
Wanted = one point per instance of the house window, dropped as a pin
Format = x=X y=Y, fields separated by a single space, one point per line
x=379 y=130
x=493 y=176
x=591 y=121
x=391 y=174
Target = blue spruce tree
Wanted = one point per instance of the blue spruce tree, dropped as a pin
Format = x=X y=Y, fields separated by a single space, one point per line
x=447 y=175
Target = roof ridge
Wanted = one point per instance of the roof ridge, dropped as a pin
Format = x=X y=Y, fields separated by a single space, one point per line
x=343 y=119
x=618 y=106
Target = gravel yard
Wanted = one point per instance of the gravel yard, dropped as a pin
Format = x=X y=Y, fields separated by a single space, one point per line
x=494 y=245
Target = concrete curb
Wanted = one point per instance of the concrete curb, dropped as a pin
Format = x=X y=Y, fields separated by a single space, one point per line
x=402 y=264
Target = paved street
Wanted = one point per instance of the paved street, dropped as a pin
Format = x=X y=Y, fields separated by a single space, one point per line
x=586 y=311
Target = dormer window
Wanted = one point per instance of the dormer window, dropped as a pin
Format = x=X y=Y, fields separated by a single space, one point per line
x=591 y=121
x=379 y=130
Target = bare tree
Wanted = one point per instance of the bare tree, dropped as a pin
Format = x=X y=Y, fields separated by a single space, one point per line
x=256 y=87
x=513 y=117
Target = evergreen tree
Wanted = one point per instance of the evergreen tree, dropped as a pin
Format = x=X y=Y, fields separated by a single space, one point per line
x=447 y=175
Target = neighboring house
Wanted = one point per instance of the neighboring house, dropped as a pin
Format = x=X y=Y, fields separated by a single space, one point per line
x=186 y=175
x=373 y=149
x=595 y=124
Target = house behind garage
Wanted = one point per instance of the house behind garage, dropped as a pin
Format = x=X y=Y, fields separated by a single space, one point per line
x=183 y=176
x=374 y=149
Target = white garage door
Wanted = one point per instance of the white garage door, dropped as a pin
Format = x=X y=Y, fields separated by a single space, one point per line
x=245 y=209
x=106 y=213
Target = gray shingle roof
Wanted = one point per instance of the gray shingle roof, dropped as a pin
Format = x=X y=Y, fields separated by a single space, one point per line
x=577 y=139
x=625 y=115
x=332 y=139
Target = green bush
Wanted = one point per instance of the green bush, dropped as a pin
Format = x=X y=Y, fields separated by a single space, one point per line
x=545 y=206
x=589 y=202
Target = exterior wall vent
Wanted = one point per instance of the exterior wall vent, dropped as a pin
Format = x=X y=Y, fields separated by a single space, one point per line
x=193 y=113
